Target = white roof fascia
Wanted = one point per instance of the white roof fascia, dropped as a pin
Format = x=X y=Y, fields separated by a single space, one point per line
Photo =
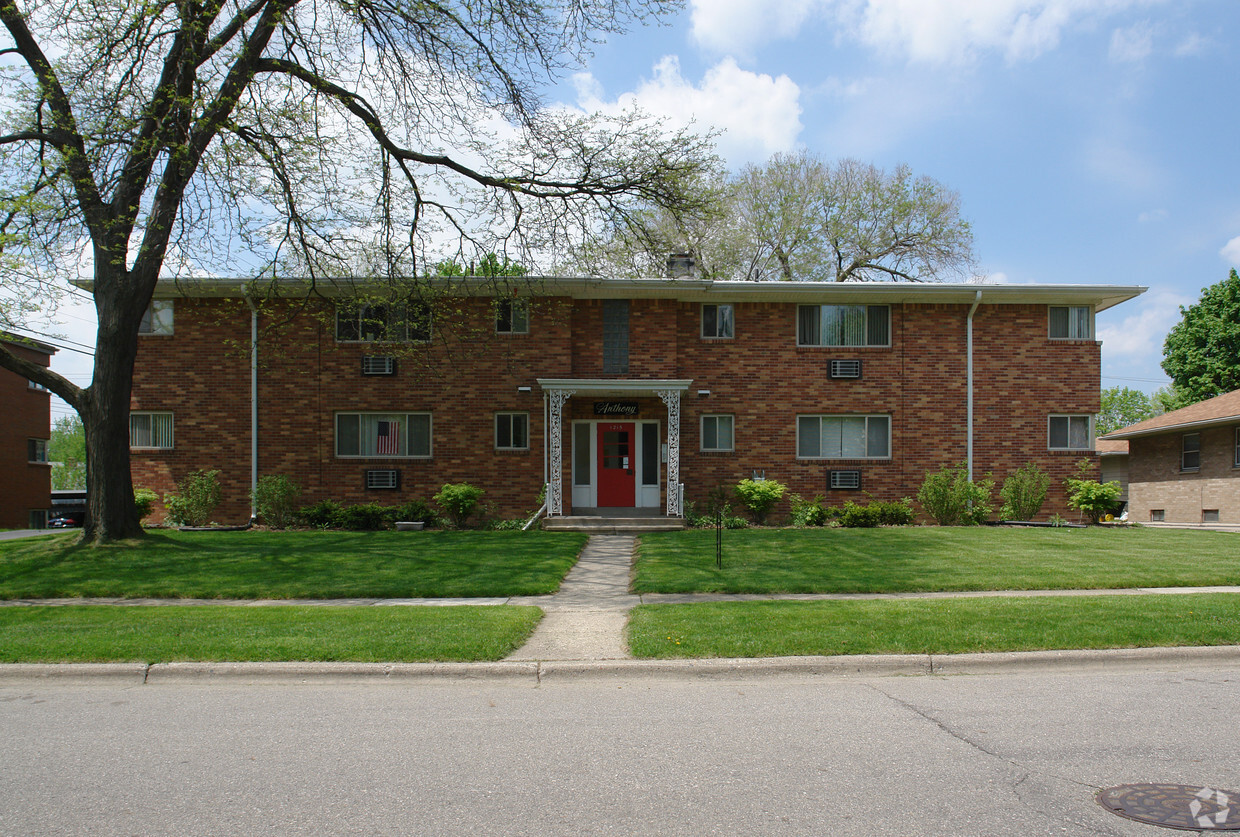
x=1101 y=297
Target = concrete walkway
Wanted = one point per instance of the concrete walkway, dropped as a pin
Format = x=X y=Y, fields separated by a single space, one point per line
x=585 y=620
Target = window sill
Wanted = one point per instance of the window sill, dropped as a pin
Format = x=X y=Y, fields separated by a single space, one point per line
x=512 y=450
x=717 y=451
x=845 y=461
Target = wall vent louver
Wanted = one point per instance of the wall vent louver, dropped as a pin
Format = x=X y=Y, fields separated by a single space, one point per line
x=378 y=365
x=845 y=369
x=385 y=478
x=844 y=479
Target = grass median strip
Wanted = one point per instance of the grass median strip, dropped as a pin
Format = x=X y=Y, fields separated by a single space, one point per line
x=926 y=558
x=939 y=626
x=89 y=633
x=291 y=565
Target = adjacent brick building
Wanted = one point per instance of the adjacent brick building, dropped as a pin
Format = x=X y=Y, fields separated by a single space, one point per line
x=615 y=393
x=25 y=475
x=1184 y=466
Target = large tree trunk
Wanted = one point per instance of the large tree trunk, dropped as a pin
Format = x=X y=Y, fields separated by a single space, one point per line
x=111 y=513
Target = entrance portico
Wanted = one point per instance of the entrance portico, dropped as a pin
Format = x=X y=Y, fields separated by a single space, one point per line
x=620 y=457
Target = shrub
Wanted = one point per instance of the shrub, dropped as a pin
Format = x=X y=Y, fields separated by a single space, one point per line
x=416 y=510
x=707 y=519
x=325 y=514
x=274 y=497
x=1024 y=492
x=198 y=497
x=459 y=500
x=894 y=512
x=952 y=500
x=856 y=516
x=809 y=512
x=144 y=499
x=759 y=497
x=1093 y=498
x=365 y=517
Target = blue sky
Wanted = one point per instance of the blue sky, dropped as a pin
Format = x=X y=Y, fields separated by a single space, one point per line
x=1091 y=141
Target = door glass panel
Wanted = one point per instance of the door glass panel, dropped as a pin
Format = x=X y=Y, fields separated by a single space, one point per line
x=581 y=454
x=650 y=454
x=615 y=449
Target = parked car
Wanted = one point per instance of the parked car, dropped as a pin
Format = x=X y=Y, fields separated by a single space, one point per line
x=68 y=520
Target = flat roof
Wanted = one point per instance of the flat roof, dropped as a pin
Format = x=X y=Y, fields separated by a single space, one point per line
x=1101 y=297
x=27 y=342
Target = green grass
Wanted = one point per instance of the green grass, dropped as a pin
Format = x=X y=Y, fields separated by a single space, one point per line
x=925 y=558
x=284 y=565
x=91 y=633
x=921 y=626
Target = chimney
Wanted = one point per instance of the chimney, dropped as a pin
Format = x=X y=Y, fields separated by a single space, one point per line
x=680 y=266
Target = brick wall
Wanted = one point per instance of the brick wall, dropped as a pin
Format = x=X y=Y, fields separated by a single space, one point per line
x=467 y=373
x=1156 y=481
x=24 y=486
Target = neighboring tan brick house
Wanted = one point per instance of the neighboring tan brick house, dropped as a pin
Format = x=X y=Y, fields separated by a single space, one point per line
x=1184 y=466
x=25 y=475
x=843 y=389
x=1113 y=454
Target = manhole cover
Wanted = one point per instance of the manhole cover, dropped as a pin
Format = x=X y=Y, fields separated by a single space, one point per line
x=1185 y=807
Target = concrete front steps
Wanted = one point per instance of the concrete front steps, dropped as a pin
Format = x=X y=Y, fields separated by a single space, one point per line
x=613 y=525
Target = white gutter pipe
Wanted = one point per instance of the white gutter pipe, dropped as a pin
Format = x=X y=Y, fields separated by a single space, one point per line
x=977 y=300
x=253 y=410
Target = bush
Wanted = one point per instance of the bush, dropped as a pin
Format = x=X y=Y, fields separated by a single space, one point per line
x=759 y=497
x=952 y=500
x=1093 y=498
x=274 y=497
x=810 y=512
x=416 y=510
x=894 y=512
x=1023 y=493
x=366 y=517
x=325 y=514
x=459 y=500
x=856 y=516
x=144 y=499
x=198 y=497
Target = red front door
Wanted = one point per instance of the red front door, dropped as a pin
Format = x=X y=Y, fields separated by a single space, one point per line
x=616 y=463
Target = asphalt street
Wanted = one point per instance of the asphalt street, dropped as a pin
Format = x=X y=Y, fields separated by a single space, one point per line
x=1011 y=754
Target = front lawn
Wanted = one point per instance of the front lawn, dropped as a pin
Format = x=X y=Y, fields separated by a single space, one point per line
x=291 y=565
x=926 y=558
x=922 y=626
x=95 y=634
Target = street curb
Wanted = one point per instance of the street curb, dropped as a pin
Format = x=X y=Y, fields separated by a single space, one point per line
x=325 y=672
x=862 y=665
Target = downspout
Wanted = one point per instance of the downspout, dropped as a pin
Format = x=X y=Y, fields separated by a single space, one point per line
x=977 y=300
x=253 y=411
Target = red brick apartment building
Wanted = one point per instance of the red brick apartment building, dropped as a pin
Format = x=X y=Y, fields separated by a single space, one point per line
x=25 y=475
x=615 y=394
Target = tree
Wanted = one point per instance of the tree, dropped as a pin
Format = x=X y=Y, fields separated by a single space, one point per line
x=1202 y=351
x=798 y=217
x=66 y=450
x=306 y=135
x=1122 y=406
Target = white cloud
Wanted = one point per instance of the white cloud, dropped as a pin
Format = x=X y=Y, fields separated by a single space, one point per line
x=1231 y=251
x=937 y=31
x=757 y=114
x=1139 y=337
x=1193 y=44
x=1153 y=216
x=736 y=26
x=1133 y=44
